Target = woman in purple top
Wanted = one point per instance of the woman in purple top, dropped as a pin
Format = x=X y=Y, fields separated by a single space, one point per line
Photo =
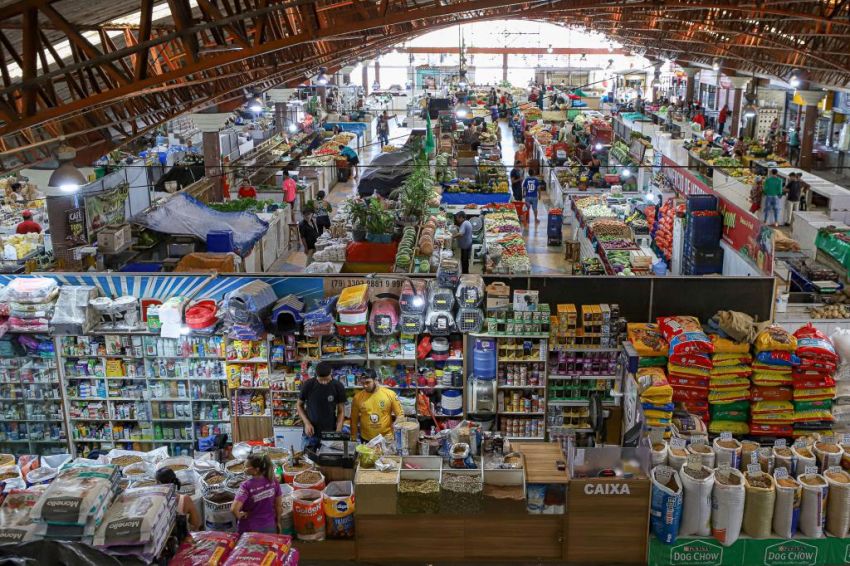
x=258 y=503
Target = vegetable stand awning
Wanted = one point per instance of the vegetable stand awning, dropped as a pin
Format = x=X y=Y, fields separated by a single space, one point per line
x=181 y=214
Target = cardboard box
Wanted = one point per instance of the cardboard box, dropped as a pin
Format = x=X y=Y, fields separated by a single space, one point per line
x=498 y=295
x=113 y=238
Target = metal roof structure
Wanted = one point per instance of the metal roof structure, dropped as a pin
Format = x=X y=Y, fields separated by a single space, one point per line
x=99 y=73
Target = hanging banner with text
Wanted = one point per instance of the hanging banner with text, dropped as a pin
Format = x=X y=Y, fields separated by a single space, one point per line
x=106 y=208
x=747 y=236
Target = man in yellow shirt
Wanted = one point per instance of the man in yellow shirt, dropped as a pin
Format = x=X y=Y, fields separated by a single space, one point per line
x=373 y=409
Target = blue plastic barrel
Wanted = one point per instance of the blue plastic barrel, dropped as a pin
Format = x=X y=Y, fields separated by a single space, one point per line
x=484 y=358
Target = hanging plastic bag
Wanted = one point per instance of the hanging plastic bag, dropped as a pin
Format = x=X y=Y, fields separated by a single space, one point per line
x=813 y=504
x=727 y=505
x=665 y=511
x=697 y=485
x=838 y=503
x=786 y=512
x=759 y=504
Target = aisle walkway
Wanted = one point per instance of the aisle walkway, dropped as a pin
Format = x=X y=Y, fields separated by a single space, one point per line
x=544 y=258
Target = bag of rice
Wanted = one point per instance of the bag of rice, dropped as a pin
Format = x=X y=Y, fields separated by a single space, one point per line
x=783 y=457
x=665 y=511
x=727 y=505
x=659 y=453
x=727 y=450
x=838 y=502
x=778 y=358
x=677 y=453
x=813 y=504
x=671 y=326
x=786 y=513
x=697 y=485
x=775 y=338
x=804 y=458
x=759 y=503
x=728 y=346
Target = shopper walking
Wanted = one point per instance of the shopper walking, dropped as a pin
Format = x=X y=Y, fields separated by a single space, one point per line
x=321 y=405
x=188 y=517
x=794 y=147
x=464 y=240
x=384 y=129
x=351 y=155
x=258 y=504
x=28 y=225
x=516 y=181
x=772 y=196
x=531 y=193
x=721 y=119
x=373 y=409
x=310 y=231
x=793 y=192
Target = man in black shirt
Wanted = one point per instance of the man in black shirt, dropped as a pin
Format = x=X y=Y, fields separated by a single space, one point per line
x=321 y=405
x=516 y=182
x=793 y=190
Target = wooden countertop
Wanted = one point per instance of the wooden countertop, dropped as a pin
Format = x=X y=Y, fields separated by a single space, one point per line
x=540 y=458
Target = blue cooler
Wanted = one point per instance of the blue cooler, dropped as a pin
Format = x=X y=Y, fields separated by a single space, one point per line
x=220 y=241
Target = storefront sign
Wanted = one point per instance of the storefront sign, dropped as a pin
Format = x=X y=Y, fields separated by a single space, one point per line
x=747 y=236
x=683 y=180
x=607 y=489
x=75 y=220
x=106 y=208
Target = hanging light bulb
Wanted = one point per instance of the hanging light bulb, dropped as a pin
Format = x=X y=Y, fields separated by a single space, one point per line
x=794 y=81
x=626 y=173
x=598 y=147
x=549 y=49
x=66 y=177
x=610 y=48
x=293 y=128
x=255 y=105
x=715 y=65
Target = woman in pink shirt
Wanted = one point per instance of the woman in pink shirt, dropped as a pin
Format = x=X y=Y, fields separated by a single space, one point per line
x=259 y=501
x=289 y=190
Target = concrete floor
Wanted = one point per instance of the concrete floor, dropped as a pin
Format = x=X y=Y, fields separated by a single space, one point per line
x=544 y=258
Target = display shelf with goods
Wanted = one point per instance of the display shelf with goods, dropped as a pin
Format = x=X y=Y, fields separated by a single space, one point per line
x=31 y=395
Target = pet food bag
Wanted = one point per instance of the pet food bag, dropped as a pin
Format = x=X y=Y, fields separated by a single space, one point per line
x=338 y=503
x=838 y=503
x=813 y=504
x=786 y=512
x=705 y=453
x=205 y=548
x=775 y=338
x=804 y=458
x=827 y=454
x=727 y=505
x=308 y=514
x=697 y=485
x=263 y=549
x=759 y=503
x=665 y=511
x=727 y=451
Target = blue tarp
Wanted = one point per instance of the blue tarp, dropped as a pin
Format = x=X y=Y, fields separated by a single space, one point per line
x=182 y=214
x=475 y=198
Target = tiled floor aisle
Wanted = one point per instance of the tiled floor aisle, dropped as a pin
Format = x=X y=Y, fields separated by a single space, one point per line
x=544 y=258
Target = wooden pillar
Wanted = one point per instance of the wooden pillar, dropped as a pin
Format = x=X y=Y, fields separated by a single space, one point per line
x=212 y=164
x=365 y=79
x=280 y=117
x=691 y=73
x=736 y=117
x=811 y=98
x=504 y=67
x=377 y=72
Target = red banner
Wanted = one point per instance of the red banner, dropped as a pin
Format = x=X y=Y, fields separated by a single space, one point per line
x=683 y=181
x=747 y=236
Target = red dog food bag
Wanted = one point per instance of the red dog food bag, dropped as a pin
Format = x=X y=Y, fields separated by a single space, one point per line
x=672 y=326
x=812 y=343
x=206 y=548
x=260 y=549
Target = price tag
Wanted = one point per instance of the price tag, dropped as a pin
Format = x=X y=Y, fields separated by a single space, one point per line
x=779 y=443
x=725 y=436
x=441 y=323
x=828 y=439
x=800 y=443
x=656 y=435
x=845 y=438
x=834 y=469
x=811 y=470
x=754 y=457
x=663 y=473
x=677 y=443
x=780 y=473
x=698 y=439
x=753 y=468
x=766 y=453
x=694 y=462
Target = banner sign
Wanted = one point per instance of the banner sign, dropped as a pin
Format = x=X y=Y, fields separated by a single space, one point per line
x=106 y=208
x=75 y=220
x=683 y=180
x=747 y=236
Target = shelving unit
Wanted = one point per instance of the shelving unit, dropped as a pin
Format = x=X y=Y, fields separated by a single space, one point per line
x=520 y=387
x=249 y=387
x=31 y=404
x=143 y=391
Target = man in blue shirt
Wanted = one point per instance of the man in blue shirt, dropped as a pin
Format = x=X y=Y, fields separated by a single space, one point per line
x=351 y=155
x=464 y=240
x=531 y=191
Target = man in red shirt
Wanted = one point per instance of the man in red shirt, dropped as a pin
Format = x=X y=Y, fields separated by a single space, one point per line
x=699 y=118
x=721 y=119
x=28 y=226
x=247 y=191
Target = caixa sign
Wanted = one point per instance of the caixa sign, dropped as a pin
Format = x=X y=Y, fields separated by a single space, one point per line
x=607 y=489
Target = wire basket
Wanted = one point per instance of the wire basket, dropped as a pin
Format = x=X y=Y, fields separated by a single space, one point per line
x=469 y=320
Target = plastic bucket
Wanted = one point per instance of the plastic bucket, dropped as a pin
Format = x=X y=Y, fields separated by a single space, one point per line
x=452 y=402
x=309 y=479
x=217 y=515
x=308 y=514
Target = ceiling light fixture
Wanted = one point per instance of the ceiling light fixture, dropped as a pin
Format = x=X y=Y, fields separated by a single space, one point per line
x=794 y=81
x=66 y=177
x=715 y=65
x=549 y=49
x=256 y=105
